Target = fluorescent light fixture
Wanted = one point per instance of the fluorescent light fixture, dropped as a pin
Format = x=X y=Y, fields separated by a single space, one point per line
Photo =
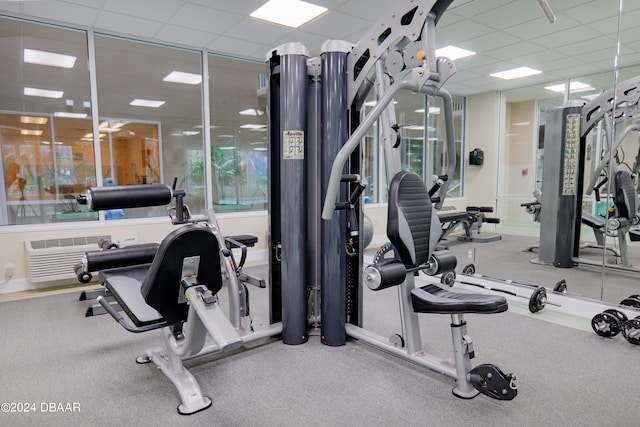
x=146 y=103
x=224 y=136
x=51 y=59
x=432 y=110
x=70 y=115
x=190 y=132
x=521 y=124
x=260 y=149
x=253 y=126
x=251 y=112
x=31 y=132
x=574 y=86
x=45 y=93
x=227 y=147
x=290 y=13
x=34 y=120
x=453 y=52
x=181 y=77
x=590 y=97
x=516 y=73
x=414 y=127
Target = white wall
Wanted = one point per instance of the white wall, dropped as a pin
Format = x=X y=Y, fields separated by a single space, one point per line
x=143 y=231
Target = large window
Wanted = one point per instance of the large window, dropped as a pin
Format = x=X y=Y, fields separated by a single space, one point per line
x=238 y=135
x=423 y=145
x=150 y=103
x=45 y=112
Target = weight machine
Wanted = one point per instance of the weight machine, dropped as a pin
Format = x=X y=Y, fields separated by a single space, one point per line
x=563 y=184
x=315 y=128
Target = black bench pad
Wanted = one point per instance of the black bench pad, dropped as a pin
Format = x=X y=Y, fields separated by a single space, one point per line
x=434 y=298
x=124 y=284
x=246 y=239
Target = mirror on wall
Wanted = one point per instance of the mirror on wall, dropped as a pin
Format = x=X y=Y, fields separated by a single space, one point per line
x=608 y=249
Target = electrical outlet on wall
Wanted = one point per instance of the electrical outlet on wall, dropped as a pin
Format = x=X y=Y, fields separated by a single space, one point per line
x=8 y=270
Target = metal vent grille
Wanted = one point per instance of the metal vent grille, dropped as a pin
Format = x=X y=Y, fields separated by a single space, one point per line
x=53 y=259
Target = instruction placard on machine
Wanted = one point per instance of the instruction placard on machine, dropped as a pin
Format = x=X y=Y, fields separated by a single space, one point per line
x=572 y=140
x=293 y=144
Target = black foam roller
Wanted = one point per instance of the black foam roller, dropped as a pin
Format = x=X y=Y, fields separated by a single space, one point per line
x=129 y=196
x=121 y=257
x=446 y=261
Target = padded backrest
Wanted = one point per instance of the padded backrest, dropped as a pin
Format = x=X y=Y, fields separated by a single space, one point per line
x=161 y=286
x=626 y=198
x=409 y=218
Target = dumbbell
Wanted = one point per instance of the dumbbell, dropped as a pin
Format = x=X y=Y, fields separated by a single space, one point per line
x=611 y=322
x=631 y=330
x=631 y=301
x=608 y=323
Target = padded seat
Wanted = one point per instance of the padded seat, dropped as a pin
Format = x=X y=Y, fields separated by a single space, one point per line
x=246 y=239
x=125 y=284
x=592 y=220
x=452 y=216
x=434 y=298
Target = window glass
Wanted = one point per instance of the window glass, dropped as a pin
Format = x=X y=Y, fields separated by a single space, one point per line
x=150 y=128
x=238 y=134
x=45 y=111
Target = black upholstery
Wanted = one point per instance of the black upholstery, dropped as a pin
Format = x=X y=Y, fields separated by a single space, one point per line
x=409 y=218
x=161 y=286
x=434 y=298
x=124 y=284
x=626 y=199
x=409 y=221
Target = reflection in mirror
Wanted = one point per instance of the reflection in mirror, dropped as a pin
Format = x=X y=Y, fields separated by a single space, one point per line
x=522 y=162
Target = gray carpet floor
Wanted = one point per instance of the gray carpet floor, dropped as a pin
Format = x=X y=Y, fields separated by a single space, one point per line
x=51 y=353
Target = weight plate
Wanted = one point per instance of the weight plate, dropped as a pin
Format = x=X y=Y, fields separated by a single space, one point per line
x=620 y=315
x=469 y=269
x=538 y=299
x=561 y=286
x=606 y=325
x=631 y=331
x=630 y=302
x=448 y=278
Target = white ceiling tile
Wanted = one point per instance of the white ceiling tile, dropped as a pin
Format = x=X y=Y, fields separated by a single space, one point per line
x=511 y=14
x=572 y=35
x=540 y=27
x=204 y=19
x=244 y=7
x=10 y=6
x=89 y=3
x=472 y=8
x=336 y=25
x=184 y=36
x=125 y=24
x=495 y=39
x=588 y=12
x=460 y=32
x=372 y=12
x=155 y=10
x=232 y=46
x=248 y=27
x=585 y=47
x=516 y=50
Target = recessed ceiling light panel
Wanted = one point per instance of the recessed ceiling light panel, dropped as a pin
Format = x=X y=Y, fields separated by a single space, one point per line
x=290 y=13
x=453 y=52
x=516 y=73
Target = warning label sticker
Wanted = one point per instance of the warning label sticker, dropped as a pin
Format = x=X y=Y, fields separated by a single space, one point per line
x=293 y=144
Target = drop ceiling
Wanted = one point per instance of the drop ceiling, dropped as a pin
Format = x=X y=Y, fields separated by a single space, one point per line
x=503 y=33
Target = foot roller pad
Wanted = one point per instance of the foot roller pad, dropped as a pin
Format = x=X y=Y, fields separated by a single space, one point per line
x=489 y=380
